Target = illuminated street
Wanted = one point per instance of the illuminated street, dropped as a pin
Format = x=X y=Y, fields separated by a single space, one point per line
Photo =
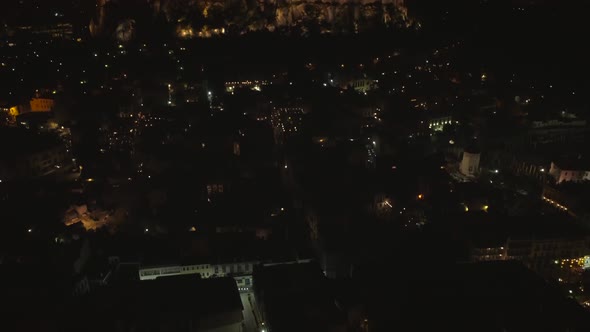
x=250 y=323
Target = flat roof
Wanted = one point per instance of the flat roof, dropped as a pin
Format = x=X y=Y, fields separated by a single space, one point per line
x=296 y=297
x=204 y=302
x=21 y=141
x=490 y=296
x=573 y=164
x=486 y=229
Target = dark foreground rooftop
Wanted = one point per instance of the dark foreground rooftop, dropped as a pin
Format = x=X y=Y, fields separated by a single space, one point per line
x=183 y=303
x=494 y=296
x=296 y=297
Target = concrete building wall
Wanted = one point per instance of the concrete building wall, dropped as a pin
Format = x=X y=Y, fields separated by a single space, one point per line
x=151 y=273
x=562 y=175
x=241 y=272
x=41 y=104
x=470 y=164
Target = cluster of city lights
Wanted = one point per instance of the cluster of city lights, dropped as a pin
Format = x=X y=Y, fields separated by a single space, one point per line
x=572 y=263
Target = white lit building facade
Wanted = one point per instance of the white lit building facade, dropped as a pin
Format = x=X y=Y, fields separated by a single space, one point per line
x=574 y=173
x=240 y=271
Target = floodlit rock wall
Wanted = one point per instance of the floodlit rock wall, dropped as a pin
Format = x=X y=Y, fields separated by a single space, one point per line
x=193 y=17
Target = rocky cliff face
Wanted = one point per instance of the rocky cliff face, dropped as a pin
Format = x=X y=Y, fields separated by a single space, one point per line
x=194 y=18
x=338 y=13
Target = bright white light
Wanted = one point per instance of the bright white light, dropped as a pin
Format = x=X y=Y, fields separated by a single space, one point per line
x=209 y=93
x=496 y=171
x=147 y=230
x=325 y=84
x=30 y=230
x=542 y=170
